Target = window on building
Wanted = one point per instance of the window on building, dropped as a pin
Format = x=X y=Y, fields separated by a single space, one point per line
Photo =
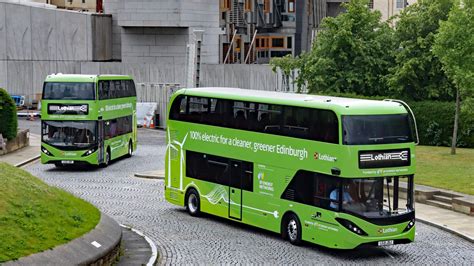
x=401 y=3
x=291 y=6
x=288 y=43
x=225 y=4
x=266 y=6
x=248 y=5
x=371 y=4
x=278 y=42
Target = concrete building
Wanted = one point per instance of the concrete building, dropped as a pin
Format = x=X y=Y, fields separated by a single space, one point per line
x=257 y=30
x=158 y=31
x=390 y=8
x=83 y=5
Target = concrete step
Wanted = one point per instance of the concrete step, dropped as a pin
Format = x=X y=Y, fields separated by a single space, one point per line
x=442 y=198
x=439 y=204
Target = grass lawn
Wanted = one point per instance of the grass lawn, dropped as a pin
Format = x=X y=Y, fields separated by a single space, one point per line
x=36 y=217
x=436 y=167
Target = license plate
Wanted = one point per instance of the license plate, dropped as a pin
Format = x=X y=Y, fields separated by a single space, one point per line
x=385 y=243
x=67 y=162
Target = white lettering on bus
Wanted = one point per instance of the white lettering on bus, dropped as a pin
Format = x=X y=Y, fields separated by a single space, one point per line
x=301 y=154
x=118 y=107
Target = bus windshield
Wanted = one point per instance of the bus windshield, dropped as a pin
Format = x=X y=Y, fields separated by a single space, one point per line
x=69 y=91
x=376 y=197
x=376 y=129
x=69 y=134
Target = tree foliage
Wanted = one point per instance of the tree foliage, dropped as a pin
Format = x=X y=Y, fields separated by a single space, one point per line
x=351 y=53
x=454 y=46
x=8 y=118
x=417 y=73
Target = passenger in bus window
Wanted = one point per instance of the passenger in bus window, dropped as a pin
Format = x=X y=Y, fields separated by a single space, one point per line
x=346 y=197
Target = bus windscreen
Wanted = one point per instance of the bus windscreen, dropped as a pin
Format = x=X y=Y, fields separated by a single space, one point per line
x=376 y=129
x=69 y=134
x=69 y=91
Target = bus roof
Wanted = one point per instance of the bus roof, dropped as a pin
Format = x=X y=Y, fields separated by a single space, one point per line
x=338 y=104
x=82 y=77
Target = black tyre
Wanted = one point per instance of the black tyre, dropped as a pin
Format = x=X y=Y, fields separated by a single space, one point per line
x=130 y=149
x=193 y=203
x=293 y=229
x=106 y=159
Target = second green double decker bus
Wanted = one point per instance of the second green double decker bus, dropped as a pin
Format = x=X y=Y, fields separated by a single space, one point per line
x=87 y=119
x=337 y=172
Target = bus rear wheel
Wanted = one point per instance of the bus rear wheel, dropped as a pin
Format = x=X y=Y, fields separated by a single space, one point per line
x=130 y=149
x=293 y=229
x=193 y=203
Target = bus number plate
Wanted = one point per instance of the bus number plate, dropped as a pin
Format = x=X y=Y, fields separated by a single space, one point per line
x=67 y=162
x=385 y=243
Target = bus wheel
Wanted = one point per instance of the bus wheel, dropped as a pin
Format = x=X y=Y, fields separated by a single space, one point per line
x=293 y=229
x=106 y=159
x=130 y=149
x=193 y=203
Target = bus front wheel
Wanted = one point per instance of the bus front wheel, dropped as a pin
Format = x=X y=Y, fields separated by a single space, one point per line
x=293 y=229
x=106 y=159
x=193 y=203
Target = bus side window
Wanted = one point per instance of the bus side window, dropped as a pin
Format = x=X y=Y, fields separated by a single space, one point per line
x=178 y=108
x=247 y=179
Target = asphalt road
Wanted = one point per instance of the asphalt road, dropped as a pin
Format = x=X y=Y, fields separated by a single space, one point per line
x=182 y=239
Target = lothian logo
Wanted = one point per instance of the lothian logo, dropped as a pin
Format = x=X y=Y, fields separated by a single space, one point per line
x=401 y=156
x=324 y=157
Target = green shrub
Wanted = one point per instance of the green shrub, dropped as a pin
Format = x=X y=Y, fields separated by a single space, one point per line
x=436 y=121
x=8 y=118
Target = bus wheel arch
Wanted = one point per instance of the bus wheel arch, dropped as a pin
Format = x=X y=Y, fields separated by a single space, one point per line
x=291 y=229
x=192 y=202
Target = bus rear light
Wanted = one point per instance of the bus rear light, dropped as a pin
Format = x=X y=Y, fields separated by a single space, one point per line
x=45 y=151
x=89 y=152
x=351 y=227
x=409 y=225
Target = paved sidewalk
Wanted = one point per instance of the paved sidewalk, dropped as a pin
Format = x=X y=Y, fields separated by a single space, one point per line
x=25 y=154
x=455 y=222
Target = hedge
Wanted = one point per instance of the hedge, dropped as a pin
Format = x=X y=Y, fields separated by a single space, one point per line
x=435 y=120
x=8 y=118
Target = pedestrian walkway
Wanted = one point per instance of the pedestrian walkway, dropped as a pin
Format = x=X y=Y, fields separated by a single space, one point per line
x=25 y=154
x=455 y=222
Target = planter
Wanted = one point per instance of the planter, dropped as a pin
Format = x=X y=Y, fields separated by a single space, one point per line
x=22 y=140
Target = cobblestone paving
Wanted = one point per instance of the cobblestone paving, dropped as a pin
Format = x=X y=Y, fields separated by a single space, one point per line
x=182 y=239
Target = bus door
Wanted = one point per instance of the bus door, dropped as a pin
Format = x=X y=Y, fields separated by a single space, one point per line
x=235 y=190
x=100 y=140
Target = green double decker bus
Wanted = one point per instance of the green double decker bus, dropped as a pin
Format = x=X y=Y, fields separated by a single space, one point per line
x=87 y=119
x=337 y=172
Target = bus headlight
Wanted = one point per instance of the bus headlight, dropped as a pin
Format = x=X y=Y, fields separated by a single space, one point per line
x=351 y=227
x=409 y=225
x=45 y=151
x=89 y=152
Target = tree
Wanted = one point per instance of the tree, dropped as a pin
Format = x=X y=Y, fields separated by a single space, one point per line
x=8 y=118
x=351 y=54
x=287 y=64
x=418 y=73
x=454 y=46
